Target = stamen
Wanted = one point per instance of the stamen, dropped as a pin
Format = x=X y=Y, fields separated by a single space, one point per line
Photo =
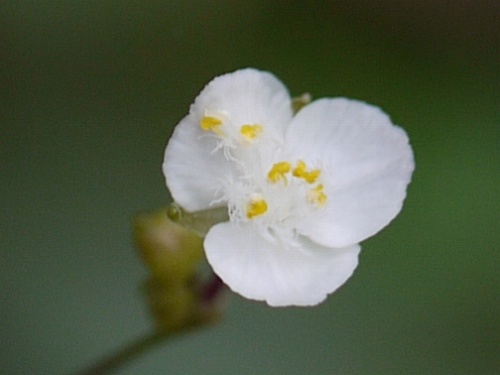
x=300 y=171
x=250 y=132
x=257 y=206
x=317 y=196
x=211 y=123
x=278 y=172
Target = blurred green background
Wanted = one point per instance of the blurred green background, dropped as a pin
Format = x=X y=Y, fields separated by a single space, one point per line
x=90 y=92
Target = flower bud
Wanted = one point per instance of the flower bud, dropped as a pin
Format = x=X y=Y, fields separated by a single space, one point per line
x=171 y=252
x=173 y=306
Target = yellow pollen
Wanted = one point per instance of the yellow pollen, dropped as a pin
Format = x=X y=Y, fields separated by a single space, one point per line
x=251 y=132
x=256 y=207
x=278 y=171
x=301 y=171
x=211 y=123
x=316 y=195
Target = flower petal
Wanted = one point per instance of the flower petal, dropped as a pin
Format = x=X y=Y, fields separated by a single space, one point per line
x=247 y=96
x=368 y=164
x=193 y=171
x=258 y=269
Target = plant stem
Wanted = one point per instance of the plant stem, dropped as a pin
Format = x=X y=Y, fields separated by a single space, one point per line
x=206 y=314
x=126 y=354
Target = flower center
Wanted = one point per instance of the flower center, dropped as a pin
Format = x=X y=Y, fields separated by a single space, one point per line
x=288 y=191
x=272 y=197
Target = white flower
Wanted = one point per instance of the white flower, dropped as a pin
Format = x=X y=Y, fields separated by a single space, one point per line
x=302 y=191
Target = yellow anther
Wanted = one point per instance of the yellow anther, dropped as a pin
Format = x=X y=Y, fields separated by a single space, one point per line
x=251 y=132
x=300 y=171
x=278 y=171
x=211 y=123
x=257 y=206
x=317 y=195
x=311 y=176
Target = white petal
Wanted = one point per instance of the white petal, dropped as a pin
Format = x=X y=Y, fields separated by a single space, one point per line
x=368 y=164
x=257 y=269
x=192 y=170
x=247 y=96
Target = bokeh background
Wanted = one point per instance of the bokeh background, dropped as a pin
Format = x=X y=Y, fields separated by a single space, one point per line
x=90 y=92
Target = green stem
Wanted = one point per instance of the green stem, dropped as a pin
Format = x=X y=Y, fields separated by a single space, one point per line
x=126 y=354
